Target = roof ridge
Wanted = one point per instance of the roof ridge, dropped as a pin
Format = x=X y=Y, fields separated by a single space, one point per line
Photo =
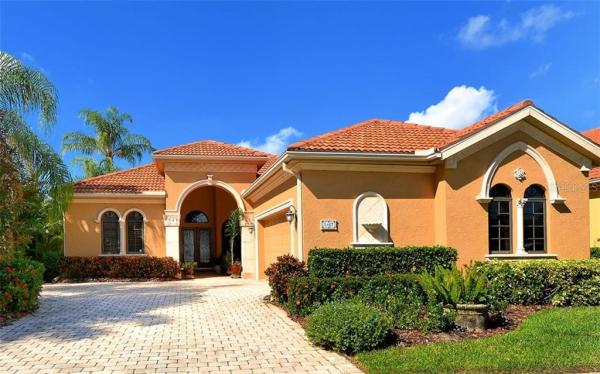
x=256 y=152
x=115 y=172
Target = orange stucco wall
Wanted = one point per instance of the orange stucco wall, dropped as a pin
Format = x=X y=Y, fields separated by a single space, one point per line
x=331 y=195
x=82 y=231
x=466 y=219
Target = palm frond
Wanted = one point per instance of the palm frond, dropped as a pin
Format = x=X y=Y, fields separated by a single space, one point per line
x=78 y=141
x=24 y=89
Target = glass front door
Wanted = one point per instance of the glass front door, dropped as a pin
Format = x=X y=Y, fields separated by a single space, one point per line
x=196 y=246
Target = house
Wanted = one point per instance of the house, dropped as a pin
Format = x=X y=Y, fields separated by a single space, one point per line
x=511 y=186
x=594 y=135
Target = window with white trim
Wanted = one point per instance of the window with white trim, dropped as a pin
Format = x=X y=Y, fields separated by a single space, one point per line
x=135 y=233
x=500 y=220
x=534 y=219
x=110 y=233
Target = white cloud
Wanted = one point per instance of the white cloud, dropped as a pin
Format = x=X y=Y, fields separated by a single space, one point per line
x=541 y=70
x=462 y=106
x=275 y=143
x=482 y=32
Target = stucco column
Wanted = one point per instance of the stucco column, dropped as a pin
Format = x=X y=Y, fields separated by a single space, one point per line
x=122 y=239
x=520 y=228
x=249 y=260
x=171 y=221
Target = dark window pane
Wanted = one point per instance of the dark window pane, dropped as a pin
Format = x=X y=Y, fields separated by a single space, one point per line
x=500 y=190
x=196 y=216
x=504 y=207
x=539 y=232
x=538 y=207
x=110 y=233
x=535 y=190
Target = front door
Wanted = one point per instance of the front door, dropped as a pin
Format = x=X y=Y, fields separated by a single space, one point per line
x=196 y=246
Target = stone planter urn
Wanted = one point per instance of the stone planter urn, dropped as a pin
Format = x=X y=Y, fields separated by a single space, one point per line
x=472 y=316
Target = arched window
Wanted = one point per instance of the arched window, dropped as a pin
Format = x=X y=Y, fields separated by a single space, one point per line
x=196 y=216
x=534 y=219
x=370 y=220
x=135 y=232
x=499 y=219
x=110 y=233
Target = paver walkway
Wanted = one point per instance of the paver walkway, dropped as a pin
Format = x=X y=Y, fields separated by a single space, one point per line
x=201 y=325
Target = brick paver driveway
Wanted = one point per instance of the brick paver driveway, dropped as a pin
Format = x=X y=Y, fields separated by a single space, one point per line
x=201 y=325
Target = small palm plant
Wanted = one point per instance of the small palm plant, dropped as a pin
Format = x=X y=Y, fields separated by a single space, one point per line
x=233 y=230
x=452 y=286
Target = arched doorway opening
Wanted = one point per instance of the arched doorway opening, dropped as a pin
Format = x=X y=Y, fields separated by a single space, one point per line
x=203 y=212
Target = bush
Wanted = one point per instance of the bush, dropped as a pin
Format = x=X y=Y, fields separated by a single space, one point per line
x=327 y=262
x=398 y=296
x=585 y=293
x=595 y=252
x=535 y=282
x=138 y=267
x=51 y=261
x=348 y=327
x=279 y=274
x=21 y=281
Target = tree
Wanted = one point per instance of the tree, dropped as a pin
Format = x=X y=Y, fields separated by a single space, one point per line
x=40 y=171
x=233 y=228
x=111 y=141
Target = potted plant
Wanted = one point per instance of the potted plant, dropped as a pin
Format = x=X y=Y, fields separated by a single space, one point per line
x=236 y=269
x=464 y=293
x=188 y=269
x=226 y=263
x=232 y=230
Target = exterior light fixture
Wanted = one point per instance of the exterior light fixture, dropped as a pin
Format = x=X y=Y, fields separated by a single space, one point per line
x=290 y=214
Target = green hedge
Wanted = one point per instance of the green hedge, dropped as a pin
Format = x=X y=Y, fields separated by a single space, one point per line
x=21 y=281
x=348 y=327
x=134 y=267
x=595 y=252
x=331 y=262
x=399 y=296
x=536 y=281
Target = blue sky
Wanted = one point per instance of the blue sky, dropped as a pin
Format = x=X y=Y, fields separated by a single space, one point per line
x=268 y=73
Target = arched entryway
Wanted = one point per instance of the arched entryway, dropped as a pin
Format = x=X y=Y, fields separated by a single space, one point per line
x=203 y=212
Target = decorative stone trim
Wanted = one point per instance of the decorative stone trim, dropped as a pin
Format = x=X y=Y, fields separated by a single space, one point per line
x=171 y=219
x=211 y=167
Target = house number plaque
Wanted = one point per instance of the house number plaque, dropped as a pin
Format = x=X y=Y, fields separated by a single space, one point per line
x=328 y=225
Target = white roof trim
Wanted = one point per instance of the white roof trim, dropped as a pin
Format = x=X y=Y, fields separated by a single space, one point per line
x=128 y=195
x=529 y=111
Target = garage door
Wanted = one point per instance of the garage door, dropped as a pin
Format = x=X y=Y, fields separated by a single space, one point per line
x=275 y=241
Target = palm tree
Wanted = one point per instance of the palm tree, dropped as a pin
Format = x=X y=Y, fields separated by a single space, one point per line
x=111 y=140
x=24 y=90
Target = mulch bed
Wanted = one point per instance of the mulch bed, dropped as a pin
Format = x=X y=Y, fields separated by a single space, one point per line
x=8 y=319
x=513 y=316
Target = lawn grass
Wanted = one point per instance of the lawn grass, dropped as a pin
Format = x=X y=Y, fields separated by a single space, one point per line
x=553 y=340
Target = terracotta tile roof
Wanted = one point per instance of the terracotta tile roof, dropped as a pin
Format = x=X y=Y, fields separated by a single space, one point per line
x=212 y=148
x=377 y=135
x=134 y=180
x=267 y=165
x=487 y=121
x=387 y=136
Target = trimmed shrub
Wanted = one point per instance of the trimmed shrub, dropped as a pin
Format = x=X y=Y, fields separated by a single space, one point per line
x=329 y=262
x=348 y=327
x=399 y=296
x=21 y=281
x=535 y=282
x=280 y=272
x=138 y=267
x=585 y=293
x=595 y=252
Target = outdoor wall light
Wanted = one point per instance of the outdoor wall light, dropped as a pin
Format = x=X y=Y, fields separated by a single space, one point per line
x=290 y=214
